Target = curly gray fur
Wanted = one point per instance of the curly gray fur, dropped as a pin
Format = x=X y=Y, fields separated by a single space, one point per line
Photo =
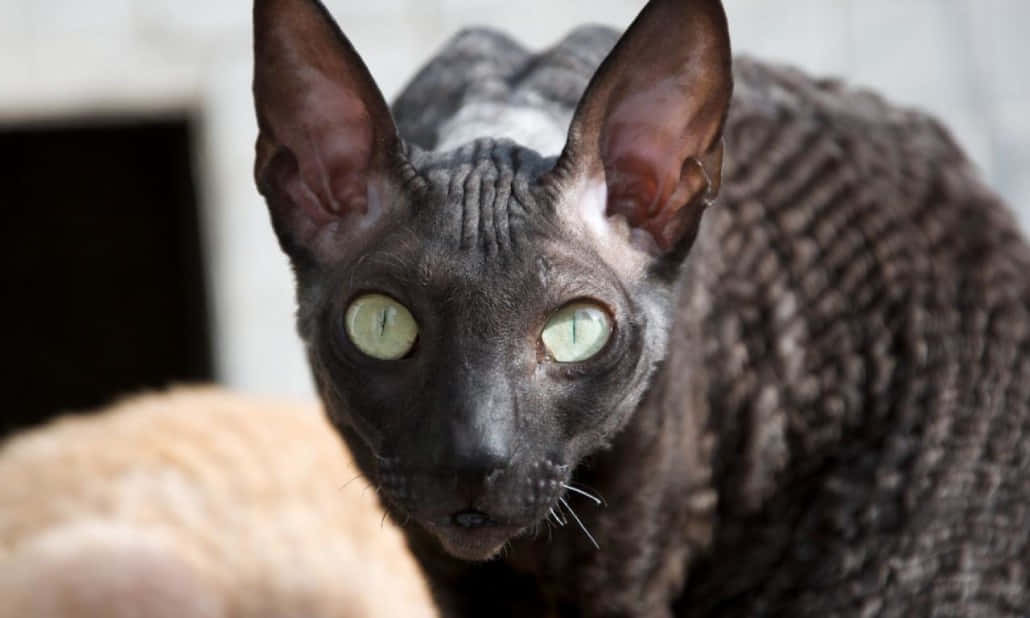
x=869 y=325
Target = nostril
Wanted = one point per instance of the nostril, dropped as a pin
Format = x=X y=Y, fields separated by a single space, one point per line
x=471 y=519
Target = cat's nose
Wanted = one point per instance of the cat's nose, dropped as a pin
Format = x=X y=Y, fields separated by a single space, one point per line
x=477 y=454
x=482 y=434
x=476 y=430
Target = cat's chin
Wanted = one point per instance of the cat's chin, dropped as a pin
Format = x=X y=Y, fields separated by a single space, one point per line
x=473 y=544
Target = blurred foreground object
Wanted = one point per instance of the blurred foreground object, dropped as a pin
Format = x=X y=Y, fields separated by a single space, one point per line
x=196 y=503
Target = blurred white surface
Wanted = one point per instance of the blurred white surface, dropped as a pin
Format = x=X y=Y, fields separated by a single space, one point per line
x=70 y=61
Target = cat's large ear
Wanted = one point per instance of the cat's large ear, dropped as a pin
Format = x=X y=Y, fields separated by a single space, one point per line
x=326 y=138
x=648 y=130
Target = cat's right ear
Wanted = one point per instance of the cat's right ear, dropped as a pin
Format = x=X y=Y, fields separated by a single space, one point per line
x=326 y=137
x=645 y=143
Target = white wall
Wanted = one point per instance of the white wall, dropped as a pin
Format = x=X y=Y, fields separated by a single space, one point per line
x=71 y=59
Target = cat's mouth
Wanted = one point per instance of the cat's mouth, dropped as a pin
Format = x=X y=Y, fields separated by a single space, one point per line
x=472 y=536
x=474 y=519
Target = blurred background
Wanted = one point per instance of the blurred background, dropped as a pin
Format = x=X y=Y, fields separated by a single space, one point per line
x=136 y=251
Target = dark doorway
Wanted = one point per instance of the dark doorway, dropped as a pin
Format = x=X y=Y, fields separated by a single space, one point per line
x=103 y=284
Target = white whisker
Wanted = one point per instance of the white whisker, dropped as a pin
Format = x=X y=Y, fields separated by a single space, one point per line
x=557 y=518
x=582 y=527
x=597 y=500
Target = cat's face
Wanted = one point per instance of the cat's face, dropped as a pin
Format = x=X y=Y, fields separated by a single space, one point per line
x=479 y=321
x=473 y=366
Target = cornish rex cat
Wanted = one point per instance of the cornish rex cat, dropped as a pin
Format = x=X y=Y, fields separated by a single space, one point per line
x=812 y=401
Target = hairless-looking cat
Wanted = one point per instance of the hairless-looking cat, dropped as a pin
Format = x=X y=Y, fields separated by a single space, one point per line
x=778 y=325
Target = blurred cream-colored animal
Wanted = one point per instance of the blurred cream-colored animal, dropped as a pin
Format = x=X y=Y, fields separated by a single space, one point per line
x=196 y=504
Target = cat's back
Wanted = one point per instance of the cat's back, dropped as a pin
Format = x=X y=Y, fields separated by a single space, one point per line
x=483 y=83
x=241 y=506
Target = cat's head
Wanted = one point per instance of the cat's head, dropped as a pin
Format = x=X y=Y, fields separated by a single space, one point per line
x=478 y=321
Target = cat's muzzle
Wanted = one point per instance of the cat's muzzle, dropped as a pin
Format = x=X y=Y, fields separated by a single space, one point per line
x=474 y=517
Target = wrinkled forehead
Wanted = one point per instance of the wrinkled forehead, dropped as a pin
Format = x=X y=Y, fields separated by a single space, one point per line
x=482 y=231
x=482 y=294
x=482 y=197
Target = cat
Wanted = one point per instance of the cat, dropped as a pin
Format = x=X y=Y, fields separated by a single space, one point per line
x=195 y=503
x=778 y=325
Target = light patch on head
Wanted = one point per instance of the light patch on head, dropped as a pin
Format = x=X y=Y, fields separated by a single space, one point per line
x=542 y=130
x=583 y=208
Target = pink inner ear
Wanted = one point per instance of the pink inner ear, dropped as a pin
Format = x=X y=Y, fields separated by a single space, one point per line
x=326 y=134
x=330 y=135
x=642 y=171
x=646 y=149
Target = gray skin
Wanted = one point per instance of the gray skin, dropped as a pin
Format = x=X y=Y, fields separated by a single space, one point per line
x=815 y=400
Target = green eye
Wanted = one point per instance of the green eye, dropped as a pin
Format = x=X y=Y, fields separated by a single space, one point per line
x=381 y=327
x=576 y=332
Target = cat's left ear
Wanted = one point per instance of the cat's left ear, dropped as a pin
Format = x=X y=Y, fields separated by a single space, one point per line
x=326 y=138
x=646 y=138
